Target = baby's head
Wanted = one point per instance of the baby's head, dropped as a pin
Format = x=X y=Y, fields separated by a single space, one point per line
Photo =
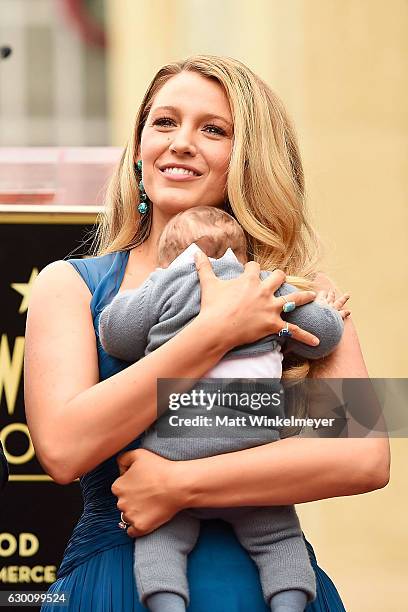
x=212 y=229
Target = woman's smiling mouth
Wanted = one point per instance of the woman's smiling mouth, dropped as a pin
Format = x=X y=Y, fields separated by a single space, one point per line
x=179 y=172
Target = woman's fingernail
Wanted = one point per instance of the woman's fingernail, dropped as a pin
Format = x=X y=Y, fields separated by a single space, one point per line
x=316 y=341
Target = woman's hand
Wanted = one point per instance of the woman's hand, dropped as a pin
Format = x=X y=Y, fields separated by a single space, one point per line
x=146 y=491
x=245 y=308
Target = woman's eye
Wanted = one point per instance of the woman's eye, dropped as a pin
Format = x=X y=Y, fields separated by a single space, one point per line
x=168 y=122
x=163 y=121
x=214 y=129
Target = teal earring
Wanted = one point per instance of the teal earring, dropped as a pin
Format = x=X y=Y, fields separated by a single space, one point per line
x=143 y=207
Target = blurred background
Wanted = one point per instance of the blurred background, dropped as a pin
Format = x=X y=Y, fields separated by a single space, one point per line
x=75 y=77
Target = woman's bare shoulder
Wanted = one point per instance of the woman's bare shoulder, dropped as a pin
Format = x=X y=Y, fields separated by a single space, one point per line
x=322 y=282
x=347 y=360
x=61 y=277
x=60 y=304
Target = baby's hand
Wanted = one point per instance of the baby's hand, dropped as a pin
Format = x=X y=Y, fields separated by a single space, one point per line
x=328 y=298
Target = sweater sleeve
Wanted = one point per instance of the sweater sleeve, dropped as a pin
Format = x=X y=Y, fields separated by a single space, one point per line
x=321 y=321
x=125 y=323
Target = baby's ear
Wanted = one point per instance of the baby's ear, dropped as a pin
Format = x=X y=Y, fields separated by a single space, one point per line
x=206 y=244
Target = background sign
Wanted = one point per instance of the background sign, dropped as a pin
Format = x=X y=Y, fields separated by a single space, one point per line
x=36 y=514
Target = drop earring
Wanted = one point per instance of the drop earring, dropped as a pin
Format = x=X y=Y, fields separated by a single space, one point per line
x=143 y=207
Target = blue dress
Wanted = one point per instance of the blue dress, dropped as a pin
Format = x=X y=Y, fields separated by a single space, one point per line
x=97 y=569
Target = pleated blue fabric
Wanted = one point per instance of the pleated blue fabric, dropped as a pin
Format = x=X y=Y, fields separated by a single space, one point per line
x=96 y=572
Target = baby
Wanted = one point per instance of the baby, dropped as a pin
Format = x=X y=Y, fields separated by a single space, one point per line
x=139 y=321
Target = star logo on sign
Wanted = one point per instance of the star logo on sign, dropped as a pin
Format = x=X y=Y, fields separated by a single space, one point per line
x=25 y=290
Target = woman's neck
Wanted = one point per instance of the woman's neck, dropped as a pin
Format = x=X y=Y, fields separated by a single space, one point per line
x=148 y=248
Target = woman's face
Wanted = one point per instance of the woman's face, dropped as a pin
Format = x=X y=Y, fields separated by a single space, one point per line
x=186 y=144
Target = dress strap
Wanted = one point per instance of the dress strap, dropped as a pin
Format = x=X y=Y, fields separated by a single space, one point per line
x=92 y=269
x=102 y=275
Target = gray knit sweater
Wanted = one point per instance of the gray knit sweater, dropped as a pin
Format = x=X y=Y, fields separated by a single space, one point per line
x=138 y=321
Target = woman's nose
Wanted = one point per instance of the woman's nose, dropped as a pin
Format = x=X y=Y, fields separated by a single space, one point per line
x=183 y=142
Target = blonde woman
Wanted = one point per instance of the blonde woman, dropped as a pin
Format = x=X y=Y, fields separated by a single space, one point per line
x=208 y=132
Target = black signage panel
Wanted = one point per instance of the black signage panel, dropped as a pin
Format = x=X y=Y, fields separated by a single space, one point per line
x=36 y=514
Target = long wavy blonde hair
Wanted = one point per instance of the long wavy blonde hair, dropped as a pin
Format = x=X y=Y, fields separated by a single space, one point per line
x=265 y=184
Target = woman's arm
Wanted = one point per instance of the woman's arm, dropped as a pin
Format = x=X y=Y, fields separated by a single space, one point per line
x=152 y=490
x=293 y=470
x=77 y=422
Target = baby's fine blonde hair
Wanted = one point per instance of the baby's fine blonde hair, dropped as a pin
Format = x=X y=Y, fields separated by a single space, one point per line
x=211 y=228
